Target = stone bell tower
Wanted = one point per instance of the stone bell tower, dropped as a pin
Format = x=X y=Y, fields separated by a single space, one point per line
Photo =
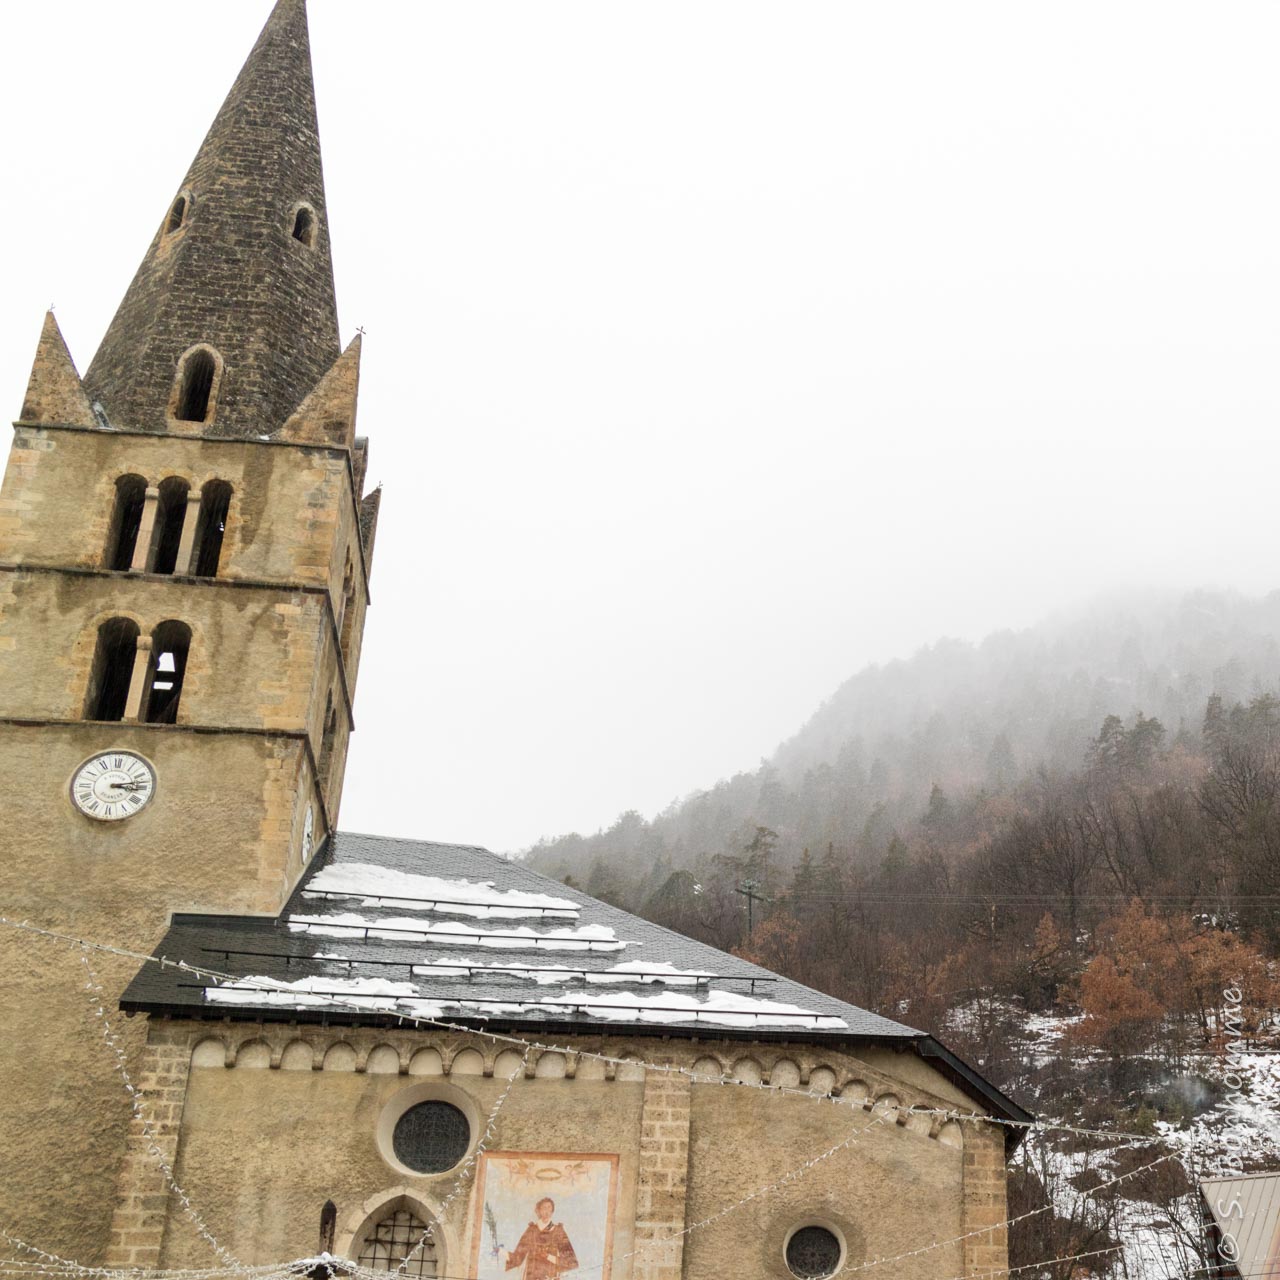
x=184 y=563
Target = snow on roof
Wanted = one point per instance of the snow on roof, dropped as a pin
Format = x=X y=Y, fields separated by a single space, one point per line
x=346 y=924
x=376 y=922
x=545 y=975
x=403 y=951
x=476 y=898
x=722 y=1008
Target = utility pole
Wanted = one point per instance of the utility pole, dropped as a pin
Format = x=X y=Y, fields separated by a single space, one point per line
x=748 y=890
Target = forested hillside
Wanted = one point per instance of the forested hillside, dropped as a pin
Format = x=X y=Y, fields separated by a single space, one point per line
x=1079 y=821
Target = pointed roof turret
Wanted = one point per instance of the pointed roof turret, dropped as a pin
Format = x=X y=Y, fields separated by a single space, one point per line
x=240 y=264
x=328 y=414
x=54 y=393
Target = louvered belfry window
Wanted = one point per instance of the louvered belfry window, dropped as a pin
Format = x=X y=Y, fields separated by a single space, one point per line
x=393 y=1240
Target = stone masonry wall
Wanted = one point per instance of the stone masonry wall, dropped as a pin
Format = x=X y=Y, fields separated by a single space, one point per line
x=985 y=1201
x=280 y=1119
x=143 y=1188
x=663 y=1176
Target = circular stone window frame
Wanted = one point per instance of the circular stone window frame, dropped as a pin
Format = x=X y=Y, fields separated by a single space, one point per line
x=826 y=1225
x=405 y=1099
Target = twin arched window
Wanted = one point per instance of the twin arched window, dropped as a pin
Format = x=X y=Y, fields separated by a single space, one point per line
x=162 y=688
x=112 y=671
x=120 y=686
x=156 y=530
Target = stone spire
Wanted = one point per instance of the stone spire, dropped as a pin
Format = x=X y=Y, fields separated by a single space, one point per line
x=240 y=264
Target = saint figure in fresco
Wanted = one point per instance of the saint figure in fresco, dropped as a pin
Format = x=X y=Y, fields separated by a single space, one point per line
x=544 y=1250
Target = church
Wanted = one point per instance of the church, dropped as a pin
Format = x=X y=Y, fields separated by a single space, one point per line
x=237 y=1037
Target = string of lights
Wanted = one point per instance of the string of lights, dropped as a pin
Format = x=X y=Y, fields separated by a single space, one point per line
x=302 y=1266
x=97 y=1002
x=50 y=1265
x=24 y=1266
x=53 y=1264
x=522 y=1042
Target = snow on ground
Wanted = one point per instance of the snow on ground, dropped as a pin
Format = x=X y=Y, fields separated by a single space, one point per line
x=1253 y=1110
x=1157 y=1239
x=441 y=895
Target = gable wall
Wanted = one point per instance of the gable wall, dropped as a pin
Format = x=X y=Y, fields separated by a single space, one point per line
x=270 y=1122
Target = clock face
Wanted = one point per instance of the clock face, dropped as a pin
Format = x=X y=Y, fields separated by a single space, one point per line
x=113 y=785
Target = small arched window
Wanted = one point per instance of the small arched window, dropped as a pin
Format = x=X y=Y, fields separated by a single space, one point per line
x=215 y=503
x=304 y=225
x=170 y=644
x=112 y=670
x=348 y=600
x=126 y=520
x=171 y=515
x=398 y=1238
x=177 y=216
x=328 y=1222
x=195 y=390
x=326 y=739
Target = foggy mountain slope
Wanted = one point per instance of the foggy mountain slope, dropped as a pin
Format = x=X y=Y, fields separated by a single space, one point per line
x=1056 y=850
x=961 y=716
x=1048 y=688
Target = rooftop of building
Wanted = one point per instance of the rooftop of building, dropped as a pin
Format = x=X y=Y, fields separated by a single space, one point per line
x=381 y=930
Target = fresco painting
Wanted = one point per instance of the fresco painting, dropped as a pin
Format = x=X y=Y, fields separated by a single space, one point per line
x=543 y=1215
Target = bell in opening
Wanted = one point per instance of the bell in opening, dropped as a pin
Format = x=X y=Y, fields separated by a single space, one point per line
x=170 y=643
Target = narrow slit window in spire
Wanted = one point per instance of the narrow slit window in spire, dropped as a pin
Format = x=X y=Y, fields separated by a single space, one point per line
x=304 y=225
x=195 y=387
x=177 y=216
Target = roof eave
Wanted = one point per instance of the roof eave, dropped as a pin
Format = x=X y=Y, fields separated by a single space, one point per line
x=937 y=1055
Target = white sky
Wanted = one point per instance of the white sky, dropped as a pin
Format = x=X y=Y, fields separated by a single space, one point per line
x=717 y=349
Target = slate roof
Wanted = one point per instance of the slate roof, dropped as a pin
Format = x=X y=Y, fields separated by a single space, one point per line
x=232 y=275
x=500 y=946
